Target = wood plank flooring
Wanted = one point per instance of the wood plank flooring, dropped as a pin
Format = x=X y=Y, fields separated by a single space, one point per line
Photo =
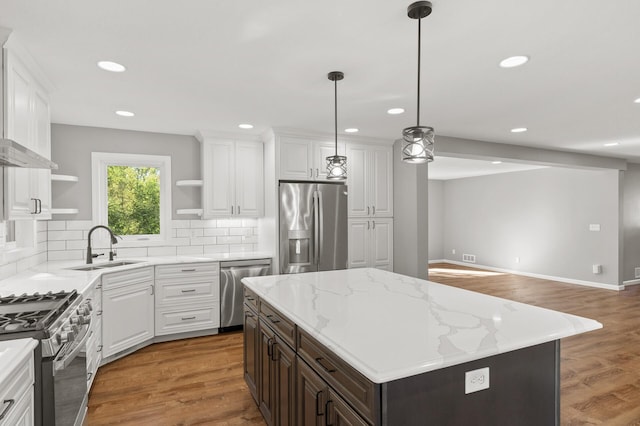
x=199 y=381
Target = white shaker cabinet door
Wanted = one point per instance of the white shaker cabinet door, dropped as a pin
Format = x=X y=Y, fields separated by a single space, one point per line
x=128 y=317
x=322 y=150
x=218 y=169
x=249 y=165
x=359 y=236
x=381 y=181
x=357 y=177
x=296 y=159
x=382 y=243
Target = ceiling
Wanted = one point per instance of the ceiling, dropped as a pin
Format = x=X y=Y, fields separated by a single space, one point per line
x=447 y=168
x=211 y=65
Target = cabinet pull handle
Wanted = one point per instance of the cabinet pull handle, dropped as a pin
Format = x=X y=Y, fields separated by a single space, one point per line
x=273 y=350
x=89 y=375
x=231 y=209
x=99 y=312
x=39 y=205
x=368 y=225
x=238 y=209
x=330 y=369
x=374 y=210
x=317 y=173
x=311 y=172
x=188 y=318
x=35 y=206
x=151 y=289
x=374 y=224
x=270 y=348
x=249 y=314
x=319 y=403
x=251 y=299
x=191 y=290
x=275 y=321
x=99 y=348
x=367 y=210
x=327 y=409
x=189 y=270
x=7 y=408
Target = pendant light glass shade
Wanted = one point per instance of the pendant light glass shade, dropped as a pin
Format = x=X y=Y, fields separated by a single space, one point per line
x=336 y=164
x=418 y=141
x=418 y=144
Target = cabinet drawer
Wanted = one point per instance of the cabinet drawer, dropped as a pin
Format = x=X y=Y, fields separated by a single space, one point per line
x=126 y=278
x=170 y=292
x=251 y=299
x=184 y=270
x=349 y=383
x=283 y=326
x=187 y=319
x=15 y=385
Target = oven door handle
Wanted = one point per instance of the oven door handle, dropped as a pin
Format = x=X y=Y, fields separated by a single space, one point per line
x=68 y=356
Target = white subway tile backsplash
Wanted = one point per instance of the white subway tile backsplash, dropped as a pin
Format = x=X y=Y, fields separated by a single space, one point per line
x=64 y=235
x=217 y=248
x=240 y=247
x=183 y=232
x=66 y=255
x=210 y=223
x=250 y=239
x=215 y=232
x=83 y=225
x=56 y=245
x=187 y=250
x=247 y=223
x=41 y=226
x=162 y=251
x=78 y=245
x=56 y=225
x=229 y=240
x=180 y=224
x=132 y=252
x=7 y=270
x=204 y=240
x=180 y=241
x=240 y=231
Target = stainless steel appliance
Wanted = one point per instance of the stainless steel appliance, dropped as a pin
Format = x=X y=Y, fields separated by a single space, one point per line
x=61 y=323
x=313 y=227
x=231 y=295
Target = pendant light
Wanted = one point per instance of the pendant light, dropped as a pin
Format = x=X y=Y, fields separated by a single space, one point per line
x=418 y=140
x=336 y=164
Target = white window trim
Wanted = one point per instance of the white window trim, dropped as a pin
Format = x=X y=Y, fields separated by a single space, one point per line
x=99 y=163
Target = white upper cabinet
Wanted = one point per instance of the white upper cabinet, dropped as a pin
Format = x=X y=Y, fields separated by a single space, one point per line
x=28 y=122
x=370 y=180
x=233 y=178
x=305 y=159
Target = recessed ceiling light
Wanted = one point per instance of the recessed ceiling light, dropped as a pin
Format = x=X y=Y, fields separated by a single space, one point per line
x=514 y=61
x=395 y=111
x=519 y=130
x=245 y=126
x=125 y=113
x=111 y=66
x=612 y=144
x=637 y=101
x=352 y=130
x=496 y=162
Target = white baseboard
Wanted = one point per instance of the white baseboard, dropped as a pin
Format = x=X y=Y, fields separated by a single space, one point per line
x=437 y=261
x=544 y=277
x=631 y=282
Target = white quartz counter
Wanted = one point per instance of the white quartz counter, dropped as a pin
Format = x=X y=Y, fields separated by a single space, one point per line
x=55 y=276
x=12 y=352
x=390 y=326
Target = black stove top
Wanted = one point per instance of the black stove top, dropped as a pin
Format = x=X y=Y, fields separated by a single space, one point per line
x=32 y=312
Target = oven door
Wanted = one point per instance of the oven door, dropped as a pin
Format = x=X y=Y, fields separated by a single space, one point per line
x=70 y=381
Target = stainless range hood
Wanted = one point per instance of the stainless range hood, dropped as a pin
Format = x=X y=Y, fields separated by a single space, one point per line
x=12 y=154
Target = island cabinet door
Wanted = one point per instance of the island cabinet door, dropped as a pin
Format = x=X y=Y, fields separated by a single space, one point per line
x=312 y=392
x=251 y=351
x=339 y=413
x=284 y=363
x=266 y=383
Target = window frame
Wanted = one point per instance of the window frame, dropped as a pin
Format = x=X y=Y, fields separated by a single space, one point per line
x=100 y=216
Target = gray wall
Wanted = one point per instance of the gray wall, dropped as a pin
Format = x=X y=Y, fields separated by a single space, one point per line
x=410 y=216
x=71 y=148
x=631 y=227
x=541 y=216
x=436 y=220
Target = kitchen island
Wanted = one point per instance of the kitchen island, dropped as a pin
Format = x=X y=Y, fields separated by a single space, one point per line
x=365 y=346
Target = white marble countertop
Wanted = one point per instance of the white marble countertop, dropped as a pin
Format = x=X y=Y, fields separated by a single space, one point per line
x=12 y=352
x=390 y=326
x=56 y=276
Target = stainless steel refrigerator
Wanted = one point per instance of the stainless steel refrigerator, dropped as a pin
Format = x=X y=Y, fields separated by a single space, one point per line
x=313 y=227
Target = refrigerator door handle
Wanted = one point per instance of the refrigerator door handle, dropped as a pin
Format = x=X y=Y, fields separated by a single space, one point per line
x=321 y=223
x=316 y=230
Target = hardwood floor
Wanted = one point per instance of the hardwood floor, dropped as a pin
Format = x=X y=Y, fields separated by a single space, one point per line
x=199 y=381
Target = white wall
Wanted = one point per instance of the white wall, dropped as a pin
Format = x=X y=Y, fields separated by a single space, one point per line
x=541 y=216
x=436 y=220
x=631 y=227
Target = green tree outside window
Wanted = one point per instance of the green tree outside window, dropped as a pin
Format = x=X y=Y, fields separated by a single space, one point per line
x=134 y=200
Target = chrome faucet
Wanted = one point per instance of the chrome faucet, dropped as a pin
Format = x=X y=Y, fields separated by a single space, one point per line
x=113 y=241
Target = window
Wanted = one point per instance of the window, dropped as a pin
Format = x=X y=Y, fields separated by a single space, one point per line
x=132 y=195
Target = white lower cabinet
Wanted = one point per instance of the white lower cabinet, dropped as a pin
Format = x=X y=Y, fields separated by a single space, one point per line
x=16 y=389
x=128 y=309
x=93 y=348
x=371 y=243
x=187 y=298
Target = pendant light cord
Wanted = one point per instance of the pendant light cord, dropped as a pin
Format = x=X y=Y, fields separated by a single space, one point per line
x=335 y=97
x=419 y=39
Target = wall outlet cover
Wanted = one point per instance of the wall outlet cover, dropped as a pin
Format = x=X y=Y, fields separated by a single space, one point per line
x=476 y=380
x=471 y=258
x=594 y=227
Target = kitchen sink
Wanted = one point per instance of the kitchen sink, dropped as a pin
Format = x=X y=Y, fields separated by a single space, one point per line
x=104 y=265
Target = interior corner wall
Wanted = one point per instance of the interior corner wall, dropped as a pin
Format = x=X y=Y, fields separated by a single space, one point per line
x=631 y=222
x=541 y=217
x=71 y=148
x=436 y=220
x=410 y=216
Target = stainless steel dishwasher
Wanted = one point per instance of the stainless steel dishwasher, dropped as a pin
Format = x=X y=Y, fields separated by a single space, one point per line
x=231 y=295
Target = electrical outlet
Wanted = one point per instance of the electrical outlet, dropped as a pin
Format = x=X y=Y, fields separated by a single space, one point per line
x=453 y=251
x=637 y=272
x=476 y=380
x=597 y=269
x=517 y=259
x=594 y=227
